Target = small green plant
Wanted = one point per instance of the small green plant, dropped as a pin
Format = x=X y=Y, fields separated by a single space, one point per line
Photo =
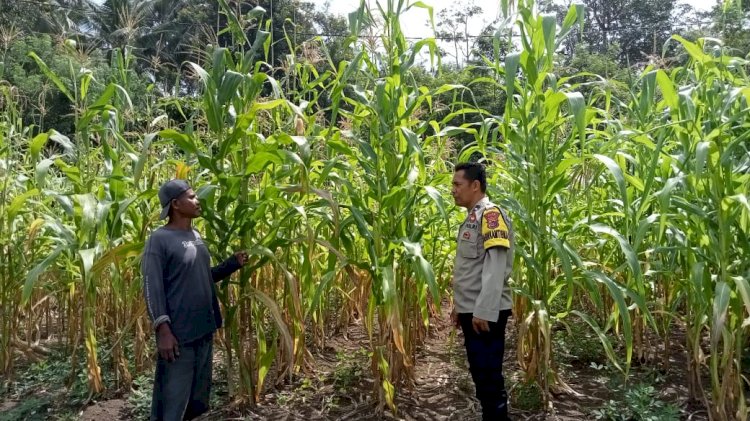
x=51 y=374
x=640 y=404
x=140 y=397
x=29 y=409
x=283 y=399
x=527 y=396
x=349 y=369
x=578 y=345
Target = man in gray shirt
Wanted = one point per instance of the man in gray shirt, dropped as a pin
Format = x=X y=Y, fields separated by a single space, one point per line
x=481 y=297
x=178 y=285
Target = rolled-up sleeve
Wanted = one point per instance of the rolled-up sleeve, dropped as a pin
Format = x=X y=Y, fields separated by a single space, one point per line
x=152 y=268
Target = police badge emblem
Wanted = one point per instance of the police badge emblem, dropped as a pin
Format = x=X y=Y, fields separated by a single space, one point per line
x=493 y=219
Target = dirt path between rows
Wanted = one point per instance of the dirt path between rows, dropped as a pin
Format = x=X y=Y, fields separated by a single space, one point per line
x=340 y=387
x=444 y=389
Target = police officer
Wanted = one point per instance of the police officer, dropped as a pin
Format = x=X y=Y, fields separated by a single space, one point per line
x=482 y=300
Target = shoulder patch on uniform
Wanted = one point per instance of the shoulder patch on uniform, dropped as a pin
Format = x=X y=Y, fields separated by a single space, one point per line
x=493 y=219
x=494 y=230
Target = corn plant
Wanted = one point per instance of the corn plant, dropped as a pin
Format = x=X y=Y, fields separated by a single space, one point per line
x=711 y=99
x=91 y=240
x=636 y=172
x=631 y=211
x=14 y=223
x=401 y=199
x=542 y=135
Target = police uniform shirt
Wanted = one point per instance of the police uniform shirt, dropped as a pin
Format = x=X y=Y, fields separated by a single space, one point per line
x=484 y=262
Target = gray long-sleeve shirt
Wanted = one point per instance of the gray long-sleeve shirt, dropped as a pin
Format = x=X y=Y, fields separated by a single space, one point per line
x=178 y=283
x=484 y=262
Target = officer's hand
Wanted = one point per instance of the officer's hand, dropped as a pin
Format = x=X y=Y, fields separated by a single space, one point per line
x=454 y=318
x=166 y=343
x=241 y=257
x=480 y=325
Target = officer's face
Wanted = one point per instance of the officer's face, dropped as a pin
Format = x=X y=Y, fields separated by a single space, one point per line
x=464 y=189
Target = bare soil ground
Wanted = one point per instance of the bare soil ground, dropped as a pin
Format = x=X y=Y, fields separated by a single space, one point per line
x=340 y=387
x=443 y=389
x=112 y=409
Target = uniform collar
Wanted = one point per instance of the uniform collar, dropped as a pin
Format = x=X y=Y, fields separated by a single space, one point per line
x=481 y=204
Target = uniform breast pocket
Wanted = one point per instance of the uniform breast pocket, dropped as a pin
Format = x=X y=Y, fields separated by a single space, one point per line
x=468 y=248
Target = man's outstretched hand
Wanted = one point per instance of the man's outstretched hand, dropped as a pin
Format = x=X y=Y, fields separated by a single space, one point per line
x=241 y=257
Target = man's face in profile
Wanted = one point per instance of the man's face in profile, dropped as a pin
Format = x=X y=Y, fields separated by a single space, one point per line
x=463 y=189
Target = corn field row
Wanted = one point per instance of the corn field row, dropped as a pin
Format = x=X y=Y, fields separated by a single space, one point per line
x=632 y=211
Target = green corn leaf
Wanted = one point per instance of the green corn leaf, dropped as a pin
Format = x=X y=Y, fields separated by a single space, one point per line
x=40 y=268
x=233 y=24
x=259 y=161
x=279 y=322
x=53 y=77
x=617 y=295
x=511 y=68
x=421 y=266
x=260 y=39
x=669 y=93
x=696 y=53
x=181 y=140
x=36 y=145
x=143 y=157
x=619 y=177
x=627 y=249
x=606 y=343
x=437 y=198
x=578 y=106
x=701 y=157
x=722 y=293
x=19 y=202
x=549 y=26
x=576 y=14
x=743 y=287
x=41 y=171
x=230 y=81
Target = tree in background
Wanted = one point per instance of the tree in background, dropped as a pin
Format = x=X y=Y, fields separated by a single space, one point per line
x=164 y=34
x=639 y=27
x=333 y=30
x=731 y=23
x=292 y=18
x=485 y=45
x=44 y=106
x=18 y=16
x=453 y=26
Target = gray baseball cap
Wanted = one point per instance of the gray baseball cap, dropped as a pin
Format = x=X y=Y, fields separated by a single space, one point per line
x=169 y=191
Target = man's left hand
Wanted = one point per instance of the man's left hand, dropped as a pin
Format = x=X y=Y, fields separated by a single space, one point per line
x=241 y=257
x=480 y=325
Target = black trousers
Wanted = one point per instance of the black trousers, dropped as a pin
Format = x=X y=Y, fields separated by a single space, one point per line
x=485 y=352
x=182 y=388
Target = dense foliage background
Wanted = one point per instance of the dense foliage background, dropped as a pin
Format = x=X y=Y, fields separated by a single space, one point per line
x=616 y=133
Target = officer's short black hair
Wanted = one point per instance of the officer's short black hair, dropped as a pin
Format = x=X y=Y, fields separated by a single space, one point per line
x=474 y=171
